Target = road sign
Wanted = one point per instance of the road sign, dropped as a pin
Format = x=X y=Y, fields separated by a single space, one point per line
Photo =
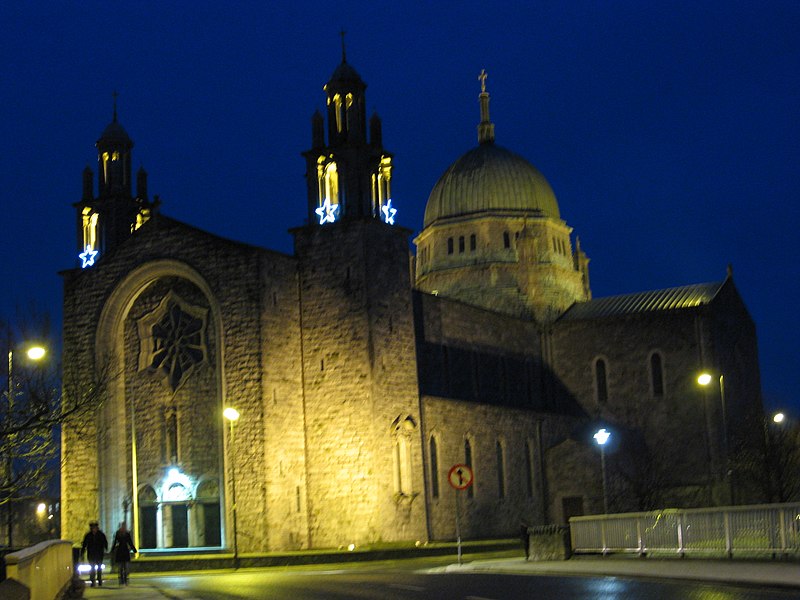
x=460 y=477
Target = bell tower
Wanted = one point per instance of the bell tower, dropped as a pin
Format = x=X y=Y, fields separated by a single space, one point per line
x=350 y=176
x=106 y=220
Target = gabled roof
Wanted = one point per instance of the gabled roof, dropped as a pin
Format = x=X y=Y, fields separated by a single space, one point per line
x=687 y=296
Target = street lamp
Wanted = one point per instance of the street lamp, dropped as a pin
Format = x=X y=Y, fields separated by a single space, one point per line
x=232 y=415
x=601 y=437
x=705 y=379
x=778 y=417
x=33 y=352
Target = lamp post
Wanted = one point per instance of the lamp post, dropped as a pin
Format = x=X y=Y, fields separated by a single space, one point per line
x=33 y=352
x=774 y=459
x=705 y=379
x=601 y=437
x=232 y=415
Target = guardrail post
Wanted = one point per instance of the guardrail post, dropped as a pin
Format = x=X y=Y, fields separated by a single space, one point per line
x=679 y=519
x=639 y=535
x=603 y=536
x=782 y=529
x=726 y=519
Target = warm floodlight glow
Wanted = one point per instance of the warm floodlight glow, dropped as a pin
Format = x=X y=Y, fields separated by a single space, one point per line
x=231 y=414
x=351 y=547
x=36 y=352
x=704 y=378
x=41 y=507
x=601 y=437
x=778 y=417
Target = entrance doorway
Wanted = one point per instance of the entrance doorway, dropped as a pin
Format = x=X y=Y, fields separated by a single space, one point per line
x=180 y=526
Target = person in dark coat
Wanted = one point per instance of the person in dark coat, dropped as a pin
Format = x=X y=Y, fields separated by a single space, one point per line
x=526 y=539
x=95 y=545
x=121 y=549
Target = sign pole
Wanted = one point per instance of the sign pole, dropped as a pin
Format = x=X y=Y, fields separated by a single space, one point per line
x=458 y=527
x=460 y=478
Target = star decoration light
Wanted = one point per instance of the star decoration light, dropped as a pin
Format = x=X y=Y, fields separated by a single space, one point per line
x=88 y=257
x=388 y=212
x=327 y=212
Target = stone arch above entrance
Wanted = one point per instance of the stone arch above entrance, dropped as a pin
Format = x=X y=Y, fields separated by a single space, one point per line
x=159 y=423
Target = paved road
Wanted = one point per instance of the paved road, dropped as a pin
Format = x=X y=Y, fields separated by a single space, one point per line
x=396 y=584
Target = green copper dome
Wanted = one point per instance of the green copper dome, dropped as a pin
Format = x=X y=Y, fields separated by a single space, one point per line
x=490 y=178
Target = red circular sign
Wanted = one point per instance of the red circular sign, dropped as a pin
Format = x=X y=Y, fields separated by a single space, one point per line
x=460 y=477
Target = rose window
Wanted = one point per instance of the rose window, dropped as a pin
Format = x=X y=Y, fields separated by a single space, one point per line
x=173 y=339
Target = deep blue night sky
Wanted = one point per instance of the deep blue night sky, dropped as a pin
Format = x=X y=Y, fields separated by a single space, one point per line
x=669 y=131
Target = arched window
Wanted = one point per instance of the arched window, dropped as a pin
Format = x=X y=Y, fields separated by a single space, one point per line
x=148 y=511
x=461 y=244
x=473 y=243
x=468 y=462
x=528 y=469
x=402 y=430
x=89 y=220
x=337 y=107
x=506 y=240
x=601 y=380
x=449 y=245
x=656 y=374
x=434 y=452
x=501 y=469
x=331 y=183
x=402 y=466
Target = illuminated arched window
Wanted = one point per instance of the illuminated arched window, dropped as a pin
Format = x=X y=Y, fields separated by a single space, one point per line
x=332 y=183
x=601 y=381
x=338 y=111
x=348 y=103
x=656 y=374
x=89 y=220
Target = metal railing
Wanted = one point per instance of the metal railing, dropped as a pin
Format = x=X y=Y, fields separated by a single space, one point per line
x=750 y=530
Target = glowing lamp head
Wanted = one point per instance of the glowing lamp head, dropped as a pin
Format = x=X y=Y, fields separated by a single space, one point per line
x=36 y=352
x=778 y=417
x=231 y=414
x=41 y=507
x=601 y=437
x=351 y=547
x=704 y=378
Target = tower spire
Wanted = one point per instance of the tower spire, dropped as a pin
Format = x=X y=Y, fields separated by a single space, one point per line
x=485 y=127
x=344 y=53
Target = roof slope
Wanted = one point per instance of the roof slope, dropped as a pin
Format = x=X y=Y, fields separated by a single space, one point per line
x=687 y=296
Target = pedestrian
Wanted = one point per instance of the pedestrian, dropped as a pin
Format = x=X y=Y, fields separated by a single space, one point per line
x=95 y=545
x=121 y=549
x=526 y=539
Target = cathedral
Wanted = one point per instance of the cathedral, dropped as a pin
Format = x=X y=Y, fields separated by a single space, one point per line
x=379 y=393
